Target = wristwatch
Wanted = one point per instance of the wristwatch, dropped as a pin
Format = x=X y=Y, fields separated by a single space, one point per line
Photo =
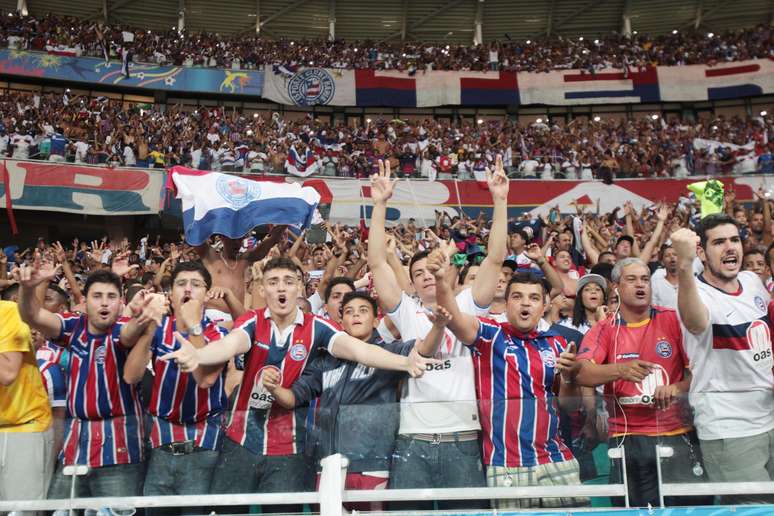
x=196 y=329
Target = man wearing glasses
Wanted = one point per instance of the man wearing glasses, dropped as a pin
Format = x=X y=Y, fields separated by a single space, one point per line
x=186 y=409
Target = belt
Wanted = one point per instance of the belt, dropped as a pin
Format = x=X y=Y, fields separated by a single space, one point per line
x=181 y=448
x=451 y=437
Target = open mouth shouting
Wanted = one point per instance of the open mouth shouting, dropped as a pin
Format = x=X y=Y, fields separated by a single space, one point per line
x=730 y=261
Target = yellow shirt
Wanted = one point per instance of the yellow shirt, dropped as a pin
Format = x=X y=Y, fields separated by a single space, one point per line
x=24 y=405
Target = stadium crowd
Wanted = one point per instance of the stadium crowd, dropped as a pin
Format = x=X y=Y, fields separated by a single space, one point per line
x=179 y=369
x=69 y=34
x=100 y=131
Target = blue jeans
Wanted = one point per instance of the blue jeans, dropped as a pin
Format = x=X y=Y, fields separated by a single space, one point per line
x=240 y=471
x=418 y=464
x=188 y=474
x=118 y=480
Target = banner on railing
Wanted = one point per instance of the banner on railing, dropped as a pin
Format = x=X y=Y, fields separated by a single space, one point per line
x=153 y=77
x=80 y=189
x=325 y=86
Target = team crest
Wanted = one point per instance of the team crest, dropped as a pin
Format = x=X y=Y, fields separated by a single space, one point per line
x=760 y=303
x=297 y=352
x=99 y=354
x=548 y=356
x=664 y=349
x=236 y=191
x=311 y=87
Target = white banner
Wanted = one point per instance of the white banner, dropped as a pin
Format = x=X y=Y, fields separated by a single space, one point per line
x=310 y=87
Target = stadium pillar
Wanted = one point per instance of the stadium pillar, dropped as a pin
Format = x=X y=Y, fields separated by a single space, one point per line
x=257 y=16
x=105 y=11
x=699 y=14
x=181 y=15
x=626 y=20
x=331 y=20
x=21 y=8
x=478 y=33
x=404 y=21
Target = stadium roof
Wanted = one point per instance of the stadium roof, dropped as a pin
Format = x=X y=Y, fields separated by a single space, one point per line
x=450 y=21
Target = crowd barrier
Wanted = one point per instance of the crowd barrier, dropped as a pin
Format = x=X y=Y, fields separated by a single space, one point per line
x=326 y=86
x=93 y=190
x=595 y=491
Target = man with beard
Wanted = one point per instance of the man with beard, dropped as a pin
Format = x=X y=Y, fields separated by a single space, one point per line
x=727 y=340
x=264 y=446
x=104 y=429
x=186 y=409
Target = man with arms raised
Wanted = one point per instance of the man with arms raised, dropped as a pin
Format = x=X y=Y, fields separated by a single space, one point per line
x=104 y=430
x=728 y=343
x=439 y=417
x=517 y=368
x=263 y=450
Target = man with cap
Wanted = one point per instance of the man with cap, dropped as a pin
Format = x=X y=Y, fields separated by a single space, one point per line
x=518 y=239
x=637 y=354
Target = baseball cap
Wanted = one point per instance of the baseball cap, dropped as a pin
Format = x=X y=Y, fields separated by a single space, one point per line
x=626 y=238
x=511 y=264
x=591 y=278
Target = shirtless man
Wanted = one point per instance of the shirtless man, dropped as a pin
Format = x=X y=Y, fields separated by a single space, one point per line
x=228 y=268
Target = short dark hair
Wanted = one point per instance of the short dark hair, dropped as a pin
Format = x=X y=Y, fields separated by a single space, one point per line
x=464 y=272
x=338 y=280
x=102 y=276
x=281 y=262
x=195 y=266
x=603 y=253
x=349 y=296
x=711 y=222
x=60 y=292
x=414 y=259
x=754 y=250
x=526 y=278
x=603 y=269
x=9 y=292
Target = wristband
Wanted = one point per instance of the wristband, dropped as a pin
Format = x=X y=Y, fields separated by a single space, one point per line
x=459 y=259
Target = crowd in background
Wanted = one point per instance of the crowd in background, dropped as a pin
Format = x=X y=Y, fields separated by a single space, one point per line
x=101 y=131
x=251 y=52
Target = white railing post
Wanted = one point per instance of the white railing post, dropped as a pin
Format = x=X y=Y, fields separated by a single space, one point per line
x=666 y=452
x=334 y=472
x=620 y=454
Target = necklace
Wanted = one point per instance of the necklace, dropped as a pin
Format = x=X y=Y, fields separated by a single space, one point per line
x=229 y=267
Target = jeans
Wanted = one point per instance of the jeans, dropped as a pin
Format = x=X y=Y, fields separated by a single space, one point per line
x=238 y=470
x=169 y=474
x=118 y=480
x=425 y=464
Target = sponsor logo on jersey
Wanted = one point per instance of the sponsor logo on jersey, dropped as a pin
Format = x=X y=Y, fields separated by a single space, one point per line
x=664 y=349
x=759 y=338
x=626 y=356
x=647 y=387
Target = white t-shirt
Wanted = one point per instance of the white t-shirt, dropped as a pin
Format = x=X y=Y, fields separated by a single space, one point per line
x=442 y=400
x=664 y=293
x=528 y=167
x=22 y=144
x=81 y=151
x=732 y=390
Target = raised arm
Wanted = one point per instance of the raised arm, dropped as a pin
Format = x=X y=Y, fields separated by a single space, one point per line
x=347 y=347
x=535 y=253
x=139 y=356
x=592 y=255
x=432 y=341
x=485 y=284
x=188 y=357
x=655 y=238
x=693 y=312
x=629 y=230
x=385 y=281
x=29 y=277
x=464 y=326
x=263 y=247
x=61 y=257
x=235 y=307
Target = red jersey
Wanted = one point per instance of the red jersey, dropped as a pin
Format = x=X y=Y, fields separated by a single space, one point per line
x=657 y=340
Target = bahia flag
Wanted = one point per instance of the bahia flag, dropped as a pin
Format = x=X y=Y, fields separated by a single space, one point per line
x=301 y=164
x=220 y=204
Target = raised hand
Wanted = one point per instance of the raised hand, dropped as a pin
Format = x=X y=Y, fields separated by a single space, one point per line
x=121 y=265
x=30 y=276
x=186 y=357
x=59 y=252
x=663 y=212
x=684 y=242
x=440 y=316
x=498 y=181
x=534 y=253
x=271 y=379
x=567 y=364
x=382 y=185
x=438 y=263
x=154 y=308
x=97 y=251
x=417 y=364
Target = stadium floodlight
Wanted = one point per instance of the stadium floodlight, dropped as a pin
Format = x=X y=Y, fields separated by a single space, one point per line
x=480 y=121
x=596 y=42
x=654 y=116
x=580 y=38
x=710 y=34
x=634 y=32
x=539 y=121
x=674 y=31
x=255 y=115
x=764 y=113
x=368 y=120
x=529 y=42
x=597 y=118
